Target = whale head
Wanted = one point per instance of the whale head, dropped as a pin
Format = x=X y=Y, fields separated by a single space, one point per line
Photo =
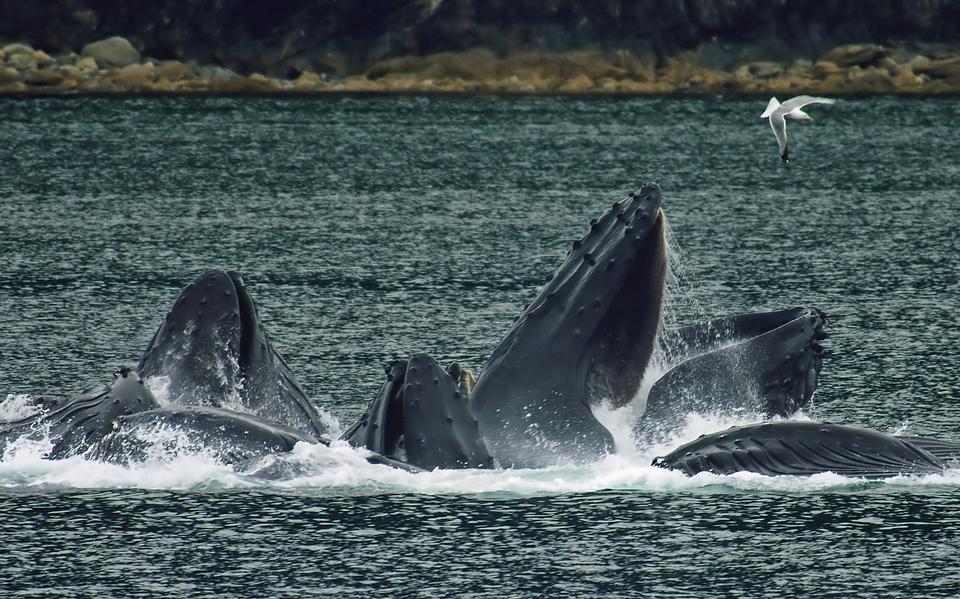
x=586 y=338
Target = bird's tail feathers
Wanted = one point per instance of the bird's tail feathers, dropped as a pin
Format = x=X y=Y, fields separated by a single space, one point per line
x=772 y=105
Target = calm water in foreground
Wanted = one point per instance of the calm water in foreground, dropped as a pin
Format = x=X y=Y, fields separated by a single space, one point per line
x=369 y=228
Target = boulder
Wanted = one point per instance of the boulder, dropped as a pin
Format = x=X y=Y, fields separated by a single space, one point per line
x=114 y=52
x=14 y=87
x=256 y=83
x=307 y=81
x=946 y=68
x=8 y=75
x=14 y=49
x=855 y=55
x=580 y=83
x=22 y=62
x=87 y=64
x=825 y=68
x=765 y=70
x=174 y=70
x=44 y=77
x=215 y=73
x=134 y=76
x=42 y=58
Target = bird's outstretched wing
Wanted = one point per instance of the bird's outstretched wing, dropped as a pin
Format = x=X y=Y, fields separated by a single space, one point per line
x=779 y=126
x=801 y=101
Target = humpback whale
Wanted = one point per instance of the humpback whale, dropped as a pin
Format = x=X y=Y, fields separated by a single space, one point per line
x=590 y=337
x=586 y=339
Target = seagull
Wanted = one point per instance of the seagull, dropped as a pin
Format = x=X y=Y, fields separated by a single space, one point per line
x=792 y=109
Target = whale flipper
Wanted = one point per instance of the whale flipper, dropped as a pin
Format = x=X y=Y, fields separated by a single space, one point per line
x=585 y=339
x=803 y=449
x=759 y=362
x=216 y=353
x=420 y=418
x=78 y=423
x=948 y=451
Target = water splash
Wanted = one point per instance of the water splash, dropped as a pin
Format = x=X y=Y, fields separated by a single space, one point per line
x=17 y=406
x=339 y=469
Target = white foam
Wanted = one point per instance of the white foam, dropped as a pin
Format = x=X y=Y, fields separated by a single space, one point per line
x=342 y=470
x=17 y=406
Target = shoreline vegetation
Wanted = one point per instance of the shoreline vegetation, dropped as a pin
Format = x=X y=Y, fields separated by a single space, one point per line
x=113 y=65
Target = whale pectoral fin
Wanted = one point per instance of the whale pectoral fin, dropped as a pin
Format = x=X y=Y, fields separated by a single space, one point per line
x=215 y=351
x=802 y=449
x=948 y=451
x=438 y=428
x=754 y=368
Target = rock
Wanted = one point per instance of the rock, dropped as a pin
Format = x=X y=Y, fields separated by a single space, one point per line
x=69 y=58
x=871 y=80
x=113 y=52
x=765 y=70
x=919 y=62
x=635 y=68
x=904 y=79
x=87 y=64
x=855 y=55
x=14 y=87
x=42 y=58
x=134 y=76
x=71 y=72
x=22 y=62
x=947 y=68
x=44 y=77
x=215 y=73
x=3 y=55
x=357 y=83
x=580 y=83
x=472 y=65
x=174 y=70
x=14 y=49
x=307 y=81
x=825 y=68
x=8 y=75
x=252 y=84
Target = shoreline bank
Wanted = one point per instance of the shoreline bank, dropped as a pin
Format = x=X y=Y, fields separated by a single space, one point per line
x=114 y=66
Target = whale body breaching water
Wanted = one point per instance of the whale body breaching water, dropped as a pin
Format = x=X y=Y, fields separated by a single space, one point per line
x=791 y=109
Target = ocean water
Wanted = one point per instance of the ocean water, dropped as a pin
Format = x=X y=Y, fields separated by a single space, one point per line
x=369 y=228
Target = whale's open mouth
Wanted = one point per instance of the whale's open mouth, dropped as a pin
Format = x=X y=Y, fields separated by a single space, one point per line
x=216 y=353
x=587 y=337
x=623 y=342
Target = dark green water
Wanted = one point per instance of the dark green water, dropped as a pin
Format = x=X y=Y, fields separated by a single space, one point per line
x=369 y=228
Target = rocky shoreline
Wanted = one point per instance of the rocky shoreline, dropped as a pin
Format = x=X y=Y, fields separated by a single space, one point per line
x=113 y=65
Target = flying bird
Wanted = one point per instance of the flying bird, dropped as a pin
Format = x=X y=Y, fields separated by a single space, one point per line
x=792 y=109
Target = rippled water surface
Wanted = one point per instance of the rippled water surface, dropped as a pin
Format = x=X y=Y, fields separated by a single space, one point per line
x=369 y=228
